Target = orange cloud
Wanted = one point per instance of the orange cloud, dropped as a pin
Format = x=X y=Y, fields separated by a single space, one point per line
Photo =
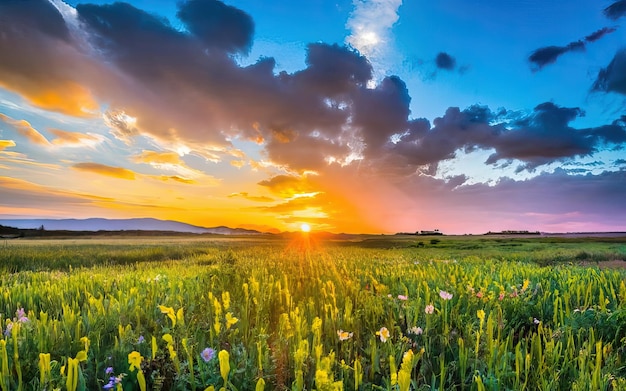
x=251 y=198
x=66 y=138
x=238 y=163
x=177 y=179
x=287 y=186
x=116 y=172
x=25 y=129
x=4 y=144
x=158 y=158
x=66 y=97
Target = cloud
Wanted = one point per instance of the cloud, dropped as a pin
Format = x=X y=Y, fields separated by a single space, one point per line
x=184 y=90
x=541 y=137
x=445 y=61
x=75 y=139
x=549 y=54
x=599 y=34
x=40 y=59
x=4 y=144
x=287 y=186
x=218 y=25
x=251 y=198
x=23 y=197
x=613 y=77
x=178 y=179
x=169 y=161
x=615 y=10
x=101 y=169
x=25 y=129
x=370 y=26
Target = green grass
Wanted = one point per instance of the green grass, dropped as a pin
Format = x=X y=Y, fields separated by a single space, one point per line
x=548 y=322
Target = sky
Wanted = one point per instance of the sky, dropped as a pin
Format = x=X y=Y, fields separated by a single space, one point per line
x=363 y=116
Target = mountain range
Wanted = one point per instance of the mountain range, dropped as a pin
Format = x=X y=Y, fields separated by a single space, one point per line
x=138 y=224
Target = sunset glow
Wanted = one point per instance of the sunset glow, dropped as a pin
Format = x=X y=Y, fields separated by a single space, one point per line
x=387 y=116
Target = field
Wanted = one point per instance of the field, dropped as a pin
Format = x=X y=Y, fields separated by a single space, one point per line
x=300 y=313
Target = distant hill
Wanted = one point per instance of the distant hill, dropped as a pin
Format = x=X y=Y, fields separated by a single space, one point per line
x=139 y=224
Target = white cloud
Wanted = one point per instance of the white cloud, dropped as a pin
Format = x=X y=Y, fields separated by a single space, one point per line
x=370 y=26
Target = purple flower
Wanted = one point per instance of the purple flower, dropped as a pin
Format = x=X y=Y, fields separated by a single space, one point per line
x=445 y=295
x=208 y=354
x=20 y=313
x=141 y=339
x=7 y=332
x=108 y=371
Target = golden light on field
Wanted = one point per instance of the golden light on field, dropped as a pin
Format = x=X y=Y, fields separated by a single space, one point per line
x=304 y=227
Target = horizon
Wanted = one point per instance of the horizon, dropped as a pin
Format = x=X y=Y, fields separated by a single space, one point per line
x=272 y=230
x=382 y=117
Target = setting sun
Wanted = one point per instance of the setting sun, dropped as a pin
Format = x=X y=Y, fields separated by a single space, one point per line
x=305 y=227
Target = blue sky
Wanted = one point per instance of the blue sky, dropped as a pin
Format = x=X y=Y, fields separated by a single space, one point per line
x=275 y=113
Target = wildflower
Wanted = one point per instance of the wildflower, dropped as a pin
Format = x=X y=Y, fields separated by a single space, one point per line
x=113 y=381
x=416 y=330
x=224 y=358
x=169 y=311
x=383 y=333
x=20 y=314
x=429 y=309
x=403 y=297
x=501 y=297
x=445 y=295
x=230 y=320
x=134 y=359
x=108 y=371
x=525 y=285
x=344 y=335
x=141 y=339
x=208 y=354
x=9 y=328
x=536 y=321
x=479 y=294
x=480 y=314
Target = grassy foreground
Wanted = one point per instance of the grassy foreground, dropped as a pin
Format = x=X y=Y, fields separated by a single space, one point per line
x=380 y=314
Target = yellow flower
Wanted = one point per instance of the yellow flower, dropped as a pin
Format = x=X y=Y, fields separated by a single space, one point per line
x=230 y=320
x=180 y=316
x=168 y=338
x=383 y=333
x=481 y=315
x=86 y=342
x=224 y=358
x=134 y=359
x=226 y=300
x=169 y=311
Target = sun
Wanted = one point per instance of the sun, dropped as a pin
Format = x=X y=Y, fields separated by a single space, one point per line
x=304 y=227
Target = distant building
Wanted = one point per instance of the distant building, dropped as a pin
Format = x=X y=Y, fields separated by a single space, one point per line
x=430 y=233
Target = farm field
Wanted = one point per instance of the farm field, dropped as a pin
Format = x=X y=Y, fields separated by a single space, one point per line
x=303 y=313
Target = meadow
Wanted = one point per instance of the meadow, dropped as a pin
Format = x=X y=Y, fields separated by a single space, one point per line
x=300 y=313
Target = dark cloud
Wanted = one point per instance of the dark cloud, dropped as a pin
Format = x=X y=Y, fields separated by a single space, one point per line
x=381 y=112
x=40 y=15
x=183 y=87
x=599 y=34
x=542 y=137
x=613 y=77
x=549 y=54
x=616 y=10
x=333 y=70
x=445 y=61
x=218 y=25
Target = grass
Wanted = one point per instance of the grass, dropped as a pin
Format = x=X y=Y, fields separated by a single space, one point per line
x=516 y=314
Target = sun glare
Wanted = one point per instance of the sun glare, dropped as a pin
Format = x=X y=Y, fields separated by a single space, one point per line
x=304 y=227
